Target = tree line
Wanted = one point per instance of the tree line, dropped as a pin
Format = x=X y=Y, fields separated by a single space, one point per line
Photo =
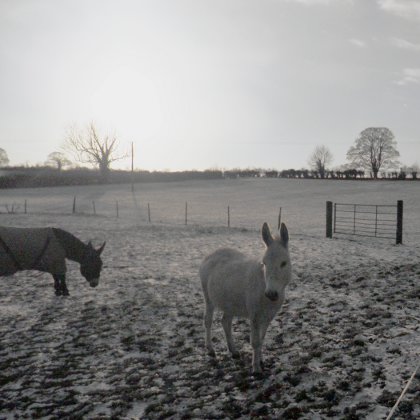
x=315 y=174
x=374 y=153
x=41 y=176
x=32 y=177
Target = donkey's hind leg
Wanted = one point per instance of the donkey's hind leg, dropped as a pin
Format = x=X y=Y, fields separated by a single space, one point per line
x=227 y=327
x=208 y=320
x=208 y=316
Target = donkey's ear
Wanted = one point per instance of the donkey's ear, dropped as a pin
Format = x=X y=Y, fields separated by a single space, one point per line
x=284 y=234
x=90 y=244
x=101 y=248
x=266 y=234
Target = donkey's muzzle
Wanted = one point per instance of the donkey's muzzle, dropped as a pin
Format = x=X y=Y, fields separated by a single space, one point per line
x=93 y=282
x=272 y=295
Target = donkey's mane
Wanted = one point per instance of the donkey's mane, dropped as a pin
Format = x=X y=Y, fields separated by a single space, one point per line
x=73 y=246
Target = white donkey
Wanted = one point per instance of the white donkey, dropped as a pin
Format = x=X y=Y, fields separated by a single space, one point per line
x=244 y=287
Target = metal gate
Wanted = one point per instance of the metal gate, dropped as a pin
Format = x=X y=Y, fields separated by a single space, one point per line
x=379 y=221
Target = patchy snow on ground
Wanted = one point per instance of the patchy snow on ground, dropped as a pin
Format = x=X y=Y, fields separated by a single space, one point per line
x=343 y=346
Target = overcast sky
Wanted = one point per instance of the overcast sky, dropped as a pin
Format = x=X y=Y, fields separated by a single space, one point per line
x=197 y=84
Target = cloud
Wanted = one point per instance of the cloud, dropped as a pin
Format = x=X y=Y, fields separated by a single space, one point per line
x=315 y=2
x=404 y=44
x=358 y=42
x=409 y=76
x=408 y=9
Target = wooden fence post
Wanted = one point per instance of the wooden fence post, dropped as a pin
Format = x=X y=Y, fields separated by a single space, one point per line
x=74 y=205
x=399 y=221
x=186 y=213
x=228 y=215
x=26 y=207
x=279 y=220
x=329 y=219
x=148 y=213
x=335 y=218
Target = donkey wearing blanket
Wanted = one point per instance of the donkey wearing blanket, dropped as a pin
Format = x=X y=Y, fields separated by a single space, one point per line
x=240 y=286
x=46 y=249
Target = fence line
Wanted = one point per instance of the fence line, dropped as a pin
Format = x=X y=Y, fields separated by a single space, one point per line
x=380 y=221
x=76 y=205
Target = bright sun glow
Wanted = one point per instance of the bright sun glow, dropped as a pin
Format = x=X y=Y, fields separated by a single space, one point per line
x=129 y=102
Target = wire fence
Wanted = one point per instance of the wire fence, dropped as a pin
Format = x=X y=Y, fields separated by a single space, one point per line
x=175 y=213
x=243 y=212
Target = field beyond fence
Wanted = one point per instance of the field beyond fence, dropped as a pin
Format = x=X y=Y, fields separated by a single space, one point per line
x=237 y=203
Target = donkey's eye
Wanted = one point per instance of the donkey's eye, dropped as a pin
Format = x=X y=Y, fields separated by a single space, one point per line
x=283 y=264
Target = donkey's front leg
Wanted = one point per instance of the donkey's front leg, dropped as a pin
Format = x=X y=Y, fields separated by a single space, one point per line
x=256 y=344
x=64 y=286
x=263 y=330
x=227 y=327
x=57 y=285
x=60 y=285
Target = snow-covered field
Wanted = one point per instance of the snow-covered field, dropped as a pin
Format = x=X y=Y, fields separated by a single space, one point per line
x=343 y=346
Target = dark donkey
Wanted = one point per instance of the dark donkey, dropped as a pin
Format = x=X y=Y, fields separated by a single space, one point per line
x=46 y=249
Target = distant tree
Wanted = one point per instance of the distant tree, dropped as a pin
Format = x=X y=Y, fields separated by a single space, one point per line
x=4 y=160
x=414 y=170
x=374 y=149
x=89 y=147
x=320 y=158
x=409 y=170
x=271 y=173
x=58 y=159
x=350 y=173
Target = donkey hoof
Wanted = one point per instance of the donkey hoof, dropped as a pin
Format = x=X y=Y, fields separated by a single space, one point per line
x=58 y=292
x=236 y=355
x=258 y=369
x=211 y=353
x=257 y=374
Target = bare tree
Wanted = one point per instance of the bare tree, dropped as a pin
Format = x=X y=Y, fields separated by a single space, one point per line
x=4 y=160
x=320 y=159
x=58 y=159
x=89 y=147
x=375 y=148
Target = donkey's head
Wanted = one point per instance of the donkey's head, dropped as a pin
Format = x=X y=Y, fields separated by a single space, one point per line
x=276 y=262
x=91 y=265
